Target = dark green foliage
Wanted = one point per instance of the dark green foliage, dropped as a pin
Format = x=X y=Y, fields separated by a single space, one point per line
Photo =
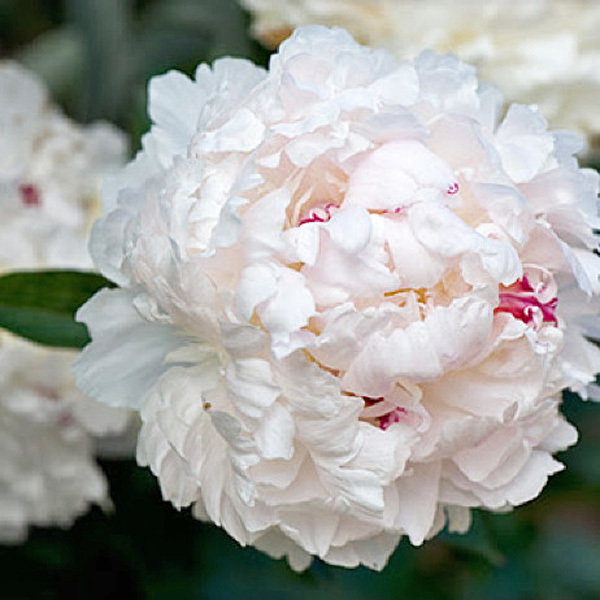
x=41 y=306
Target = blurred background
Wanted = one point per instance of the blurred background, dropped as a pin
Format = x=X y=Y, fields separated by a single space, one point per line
x=96 y=57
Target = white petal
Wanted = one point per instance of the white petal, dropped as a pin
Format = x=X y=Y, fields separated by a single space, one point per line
x=418 y=498
x=391 y=175
x=446 y=339
x=131 y=350
x=523 y=143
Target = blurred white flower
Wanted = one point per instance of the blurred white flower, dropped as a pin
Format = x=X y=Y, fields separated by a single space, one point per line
x=50 y=176
x=350 y=297
x=47 y=472
x=49 y=195
x=537 y=51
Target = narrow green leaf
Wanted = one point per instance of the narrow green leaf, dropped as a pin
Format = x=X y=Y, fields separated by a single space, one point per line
x=106 y=29
x=41 y=305
x=58 y=58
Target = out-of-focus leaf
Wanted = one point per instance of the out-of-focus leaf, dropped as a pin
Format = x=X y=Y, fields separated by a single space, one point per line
x=479 y=543
x=105 y=27
x=233 y=26
x=41 y=306
x=221 y=23
x=184 y=33
x=573 y=557
x=160 y=48
x=583 y=459
x=21 y=21
x=57 y=57
x=592 y=158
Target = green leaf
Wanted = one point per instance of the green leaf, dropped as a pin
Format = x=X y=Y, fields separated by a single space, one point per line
x=58 y=58
x=41 y=306
x=106 y=28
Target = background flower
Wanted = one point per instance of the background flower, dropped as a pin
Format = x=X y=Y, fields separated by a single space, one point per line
x=540 y=51
x=49 y=195
x=351 y=296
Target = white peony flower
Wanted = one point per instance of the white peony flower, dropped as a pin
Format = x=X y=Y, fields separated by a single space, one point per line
x=541 y=51
x=47 y=472
x=350 y=297
x=49 y=176
x=49 y=184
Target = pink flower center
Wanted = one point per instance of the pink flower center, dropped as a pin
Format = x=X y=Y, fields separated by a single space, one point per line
x=395 y=416
x=382 y=413
x=47 y=392
x=65 y=420
x=30 y=195
x=532 y=305
x=453 y=189
x=319 y=213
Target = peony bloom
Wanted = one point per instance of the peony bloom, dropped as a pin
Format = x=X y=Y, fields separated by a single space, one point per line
x=48 y=475
x=350 y=297
x=541 y=51
x=49 y=182
x=49 y=176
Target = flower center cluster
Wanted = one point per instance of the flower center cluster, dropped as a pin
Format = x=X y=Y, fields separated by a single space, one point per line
x=320 y=213
x=30 y=195
x=532 y=304
x=382 y=413
x=397 y=407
